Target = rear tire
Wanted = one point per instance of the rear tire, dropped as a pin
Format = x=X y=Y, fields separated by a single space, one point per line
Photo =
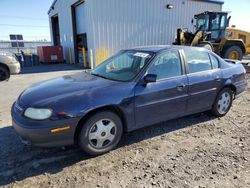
x=101 y=133
x=223 y=102
x=233 y=52
x=4 y=73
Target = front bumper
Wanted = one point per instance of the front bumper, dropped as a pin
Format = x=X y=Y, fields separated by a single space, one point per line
x=38 y=133
x=241 y=88
x=14 y=68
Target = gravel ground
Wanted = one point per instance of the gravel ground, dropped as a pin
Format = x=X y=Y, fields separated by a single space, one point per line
x=194 y=151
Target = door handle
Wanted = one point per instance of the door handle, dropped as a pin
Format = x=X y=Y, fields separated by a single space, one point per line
x=218 y=79
x=180 y=87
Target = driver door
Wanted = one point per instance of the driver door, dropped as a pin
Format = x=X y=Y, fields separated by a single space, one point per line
x=167 y=97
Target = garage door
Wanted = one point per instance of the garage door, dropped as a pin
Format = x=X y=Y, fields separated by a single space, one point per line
x=81 y=34
x=80 y=18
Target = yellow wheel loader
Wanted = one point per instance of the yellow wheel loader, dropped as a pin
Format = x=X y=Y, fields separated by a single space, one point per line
x=212 y=33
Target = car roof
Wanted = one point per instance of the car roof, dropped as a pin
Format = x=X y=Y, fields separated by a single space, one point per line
x=213 y=12
x=159 y=48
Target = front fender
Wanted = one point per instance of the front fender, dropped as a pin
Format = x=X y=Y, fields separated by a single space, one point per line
x=120 y=97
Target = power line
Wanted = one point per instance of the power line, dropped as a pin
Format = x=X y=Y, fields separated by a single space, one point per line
x=12 y=25
x=21 y=17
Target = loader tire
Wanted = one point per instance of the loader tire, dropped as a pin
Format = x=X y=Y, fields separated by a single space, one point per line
x=233 y=52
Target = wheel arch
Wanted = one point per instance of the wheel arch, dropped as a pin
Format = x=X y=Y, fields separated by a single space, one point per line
x=4 y=65
x=234 y=42
x=113 y=108
x=231 y=86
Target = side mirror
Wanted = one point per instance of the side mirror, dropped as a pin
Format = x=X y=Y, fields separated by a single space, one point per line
x=149 y=78
x=228 y=21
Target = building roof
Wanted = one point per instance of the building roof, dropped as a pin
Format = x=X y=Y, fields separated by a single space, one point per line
x=52 y=6
x=212 y=12
x=211 y=1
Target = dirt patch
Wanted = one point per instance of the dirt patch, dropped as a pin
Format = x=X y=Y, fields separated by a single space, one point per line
x=194 y=151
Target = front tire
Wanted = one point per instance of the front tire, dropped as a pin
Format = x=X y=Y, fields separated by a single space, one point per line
x=4 y=73
x=101 y=133
x=223 y=102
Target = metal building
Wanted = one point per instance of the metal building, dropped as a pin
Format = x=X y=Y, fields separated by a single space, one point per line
x=106 y=26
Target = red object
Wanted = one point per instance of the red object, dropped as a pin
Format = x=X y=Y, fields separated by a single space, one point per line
x=50 y=54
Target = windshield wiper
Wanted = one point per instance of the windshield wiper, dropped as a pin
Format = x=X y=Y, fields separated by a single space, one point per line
x=99 y=75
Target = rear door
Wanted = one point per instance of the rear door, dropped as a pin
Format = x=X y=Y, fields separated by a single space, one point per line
x=167 y=97
x=204 y=79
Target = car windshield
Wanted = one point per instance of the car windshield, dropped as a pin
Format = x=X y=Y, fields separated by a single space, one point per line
x=124 y=66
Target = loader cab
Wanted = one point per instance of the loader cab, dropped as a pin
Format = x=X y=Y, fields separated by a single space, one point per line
x=213 y=24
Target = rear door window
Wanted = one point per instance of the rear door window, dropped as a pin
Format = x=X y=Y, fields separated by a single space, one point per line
x=197 y=61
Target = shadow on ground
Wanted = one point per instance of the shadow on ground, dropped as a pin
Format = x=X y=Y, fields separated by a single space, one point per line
x=19 y=162
x=51 y=68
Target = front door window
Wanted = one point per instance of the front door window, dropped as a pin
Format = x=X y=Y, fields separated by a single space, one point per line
x=167 y=65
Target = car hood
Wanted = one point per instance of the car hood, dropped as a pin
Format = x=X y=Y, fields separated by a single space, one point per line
x=51 y=91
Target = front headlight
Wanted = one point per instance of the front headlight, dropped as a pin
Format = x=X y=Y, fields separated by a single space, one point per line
x=229 y=34
x=12 y=59
x=38 y=113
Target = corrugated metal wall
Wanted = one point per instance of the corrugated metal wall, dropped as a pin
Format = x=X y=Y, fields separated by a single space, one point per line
x=62 y=8
x=117 y=24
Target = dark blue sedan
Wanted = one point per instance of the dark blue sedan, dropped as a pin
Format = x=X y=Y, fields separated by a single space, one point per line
x=133 y=89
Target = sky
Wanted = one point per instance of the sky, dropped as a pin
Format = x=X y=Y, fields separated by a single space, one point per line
x=239 y=13
x=29 y=17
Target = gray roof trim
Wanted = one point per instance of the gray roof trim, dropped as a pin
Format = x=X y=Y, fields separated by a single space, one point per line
x=52 y=6
x=211 y=1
